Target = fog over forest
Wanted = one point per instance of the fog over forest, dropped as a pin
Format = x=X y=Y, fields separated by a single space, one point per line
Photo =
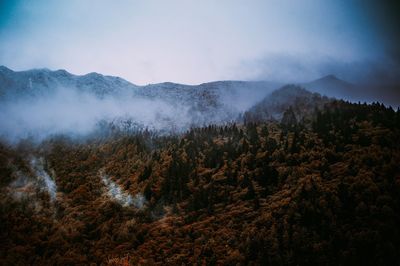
x=183 y=132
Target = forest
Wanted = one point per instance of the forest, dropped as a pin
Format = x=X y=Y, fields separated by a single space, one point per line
x=321 y=188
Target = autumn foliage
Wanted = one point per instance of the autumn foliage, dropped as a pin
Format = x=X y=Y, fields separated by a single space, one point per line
x=318 y=191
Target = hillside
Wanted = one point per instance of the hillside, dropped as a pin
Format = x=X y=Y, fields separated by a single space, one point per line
x=323 y=191
x=303 y=104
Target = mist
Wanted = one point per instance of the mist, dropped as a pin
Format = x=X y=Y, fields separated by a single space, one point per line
x=68 y=111
x=115 y=192
x=27 y=185
x=143 y=43
x=279 y=41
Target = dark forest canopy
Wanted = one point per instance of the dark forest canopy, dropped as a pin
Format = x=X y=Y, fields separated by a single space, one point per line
x=321 y=190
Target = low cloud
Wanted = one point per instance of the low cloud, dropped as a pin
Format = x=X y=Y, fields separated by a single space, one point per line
x=115 y=192
x=68 y=111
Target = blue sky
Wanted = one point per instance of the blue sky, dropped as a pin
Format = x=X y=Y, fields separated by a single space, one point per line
x=191 y=41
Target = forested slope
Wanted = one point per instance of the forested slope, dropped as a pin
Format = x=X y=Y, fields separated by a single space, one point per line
x=321 y=191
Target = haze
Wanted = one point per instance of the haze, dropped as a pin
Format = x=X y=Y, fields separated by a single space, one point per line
x=199 y=41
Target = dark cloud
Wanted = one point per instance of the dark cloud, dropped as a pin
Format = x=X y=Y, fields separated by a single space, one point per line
x=384 y=15
x=381 y=68
x=290 y=68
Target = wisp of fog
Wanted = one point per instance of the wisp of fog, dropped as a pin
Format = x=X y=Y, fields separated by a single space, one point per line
x=67 y=111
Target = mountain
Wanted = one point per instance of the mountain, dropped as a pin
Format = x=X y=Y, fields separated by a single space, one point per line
x=46 y=100
x=220 y=100
x=301 y=101
x=41 y=82
x=282 y=189
x=332 y=86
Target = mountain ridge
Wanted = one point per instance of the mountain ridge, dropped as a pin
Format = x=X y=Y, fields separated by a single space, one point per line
x=42 y=98
x=39 y=82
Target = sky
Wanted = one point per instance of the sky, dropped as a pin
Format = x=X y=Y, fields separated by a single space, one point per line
x=191 y=42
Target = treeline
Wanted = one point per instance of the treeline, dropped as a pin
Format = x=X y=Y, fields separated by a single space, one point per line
x=320 y=190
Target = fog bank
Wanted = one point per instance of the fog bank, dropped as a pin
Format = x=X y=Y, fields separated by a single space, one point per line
x=75 y=113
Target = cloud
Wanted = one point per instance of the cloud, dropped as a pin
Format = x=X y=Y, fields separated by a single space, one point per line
x=385 y=21
x=68 y=111
x=304 y=68
x=182 y=41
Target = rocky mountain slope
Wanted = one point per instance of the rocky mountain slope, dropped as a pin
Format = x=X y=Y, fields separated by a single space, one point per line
x=167 y=106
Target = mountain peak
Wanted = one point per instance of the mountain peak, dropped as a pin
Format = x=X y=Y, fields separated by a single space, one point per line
x=329 y=77
x=330 y=80
x=330 y=85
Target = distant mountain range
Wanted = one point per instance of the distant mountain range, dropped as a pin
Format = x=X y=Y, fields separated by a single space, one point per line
x=239 y=95
x=164 y=105
x=38 y=82
x=55 y=101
